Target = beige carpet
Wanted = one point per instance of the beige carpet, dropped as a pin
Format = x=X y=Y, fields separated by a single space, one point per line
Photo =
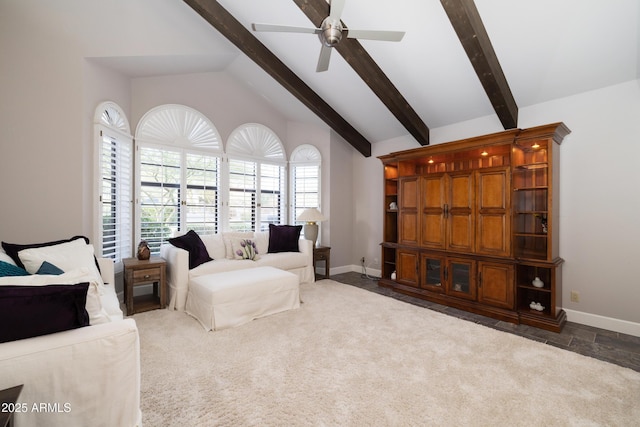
x=351 y=357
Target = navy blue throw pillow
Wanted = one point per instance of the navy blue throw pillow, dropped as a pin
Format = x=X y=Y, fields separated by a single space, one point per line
x=284 y=238
x=31 y=311
x=193 y=244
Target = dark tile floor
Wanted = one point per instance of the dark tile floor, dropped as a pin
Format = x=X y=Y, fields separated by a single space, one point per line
x=613 y=347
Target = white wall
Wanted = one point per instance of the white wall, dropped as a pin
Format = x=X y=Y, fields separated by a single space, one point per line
x=342 y=198
x=40 y=130
x=599 y=199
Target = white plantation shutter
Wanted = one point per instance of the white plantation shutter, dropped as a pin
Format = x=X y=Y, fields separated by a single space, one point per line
x=116 y=197
x=115 y=180
x=271 y=197
x=202 y=193
x=243 y=183
x=159 y=195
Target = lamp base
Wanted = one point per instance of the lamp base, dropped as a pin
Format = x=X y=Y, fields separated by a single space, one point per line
x=311 y=232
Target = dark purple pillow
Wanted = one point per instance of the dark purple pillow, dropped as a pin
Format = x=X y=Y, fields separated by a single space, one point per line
x=31 y=311
x=193 y=244
x=284 y=238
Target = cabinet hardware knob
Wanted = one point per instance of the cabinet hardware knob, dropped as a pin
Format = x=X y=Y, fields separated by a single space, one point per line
x=146 y=276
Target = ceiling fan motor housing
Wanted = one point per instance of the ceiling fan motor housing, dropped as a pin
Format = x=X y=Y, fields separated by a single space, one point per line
x=331 y=32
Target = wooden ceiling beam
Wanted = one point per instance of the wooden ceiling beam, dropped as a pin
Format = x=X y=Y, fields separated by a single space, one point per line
x=369 y=71
x=468 y=25
x=242 y=38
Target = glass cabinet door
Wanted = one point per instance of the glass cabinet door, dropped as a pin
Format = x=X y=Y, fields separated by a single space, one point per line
x=432 y=273
x=460 y=276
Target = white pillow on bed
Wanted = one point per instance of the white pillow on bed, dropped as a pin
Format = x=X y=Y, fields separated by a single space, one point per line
x=66 y=256
x=80 y=275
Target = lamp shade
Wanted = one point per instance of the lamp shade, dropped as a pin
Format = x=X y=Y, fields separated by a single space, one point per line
x=311 y=215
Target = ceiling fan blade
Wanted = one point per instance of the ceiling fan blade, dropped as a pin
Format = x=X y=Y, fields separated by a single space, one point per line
x=389 y=36
x=323 y=61
x=284 y=29
x=335 y=9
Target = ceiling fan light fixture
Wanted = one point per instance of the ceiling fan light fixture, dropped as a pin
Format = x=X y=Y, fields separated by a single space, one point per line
x=331 y=32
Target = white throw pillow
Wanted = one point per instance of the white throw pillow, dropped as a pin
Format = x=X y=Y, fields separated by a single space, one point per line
x=215 y=245
x=6 y=258
x=66 y=256
x=80 y=275
x=262 y=241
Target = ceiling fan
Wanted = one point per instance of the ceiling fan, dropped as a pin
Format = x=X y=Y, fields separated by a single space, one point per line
x=331 y=32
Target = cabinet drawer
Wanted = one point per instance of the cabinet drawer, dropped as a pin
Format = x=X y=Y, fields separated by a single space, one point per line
x=146 y=275
x=321 y=256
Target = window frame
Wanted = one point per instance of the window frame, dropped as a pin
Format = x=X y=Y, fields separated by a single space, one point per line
x=110 y=122
x=304 y=155
x=185 y=131
x=257 y=144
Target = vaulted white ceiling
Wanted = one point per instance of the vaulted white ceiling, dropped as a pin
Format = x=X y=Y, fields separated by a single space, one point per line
x=548 y=49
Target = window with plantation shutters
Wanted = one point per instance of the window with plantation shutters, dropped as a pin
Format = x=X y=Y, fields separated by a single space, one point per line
x=159 y=195
x=257 y=179
x=178 y=175
x=202 y=198
x=243 y=183
x=115 y=193
x=305 y=165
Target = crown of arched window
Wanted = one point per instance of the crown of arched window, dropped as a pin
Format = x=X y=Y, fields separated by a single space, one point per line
x=255 y=141
x=180 y=126
x=111 y=115
x=306 y=154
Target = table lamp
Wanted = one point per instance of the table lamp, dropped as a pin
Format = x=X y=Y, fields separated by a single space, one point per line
x=311 y=217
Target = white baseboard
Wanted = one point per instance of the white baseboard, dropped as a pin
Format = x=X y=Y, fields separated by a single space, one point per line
x=608 y=323
x=595 y=320
x=350 y=269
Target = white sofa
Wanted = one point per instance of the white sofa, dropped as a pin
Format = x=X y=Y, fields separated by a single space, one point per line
x=79 y=377
x=220 y=249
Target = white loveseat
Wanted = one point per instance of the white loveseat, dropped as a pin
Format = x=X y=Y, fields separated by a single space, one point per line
x=78 y=377
x=221 y=247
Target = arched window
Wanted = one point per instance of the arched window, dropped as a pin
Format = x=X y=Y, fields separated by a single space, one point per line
x=178 y=174
x=305 y=166
x=113 y=166
x=257 y=167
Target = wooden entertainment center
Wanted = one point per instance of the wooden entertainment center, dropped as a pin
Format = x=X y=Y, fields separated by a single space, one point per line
x=474 y=224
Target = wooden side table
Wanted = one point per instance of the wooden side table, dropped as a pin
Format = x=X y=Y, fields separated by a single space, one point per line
x=136 y=273
x=322 y=253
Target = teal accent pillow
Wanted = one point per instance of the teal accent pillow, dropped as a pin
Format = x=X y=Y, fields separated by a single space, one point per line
x=48 y=268
x=7 y=269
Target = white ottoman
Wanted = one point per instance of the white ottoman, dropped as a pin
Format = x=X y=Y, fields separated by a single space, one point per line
x=223 y=300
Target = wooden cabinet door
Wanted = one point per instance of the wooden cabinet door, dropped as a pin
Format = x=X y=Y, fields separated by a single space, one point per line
x=494 y=219
x=407 y=268
x=459 y=212
x=434 y=199
x=408 y=202
x=495 y=284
